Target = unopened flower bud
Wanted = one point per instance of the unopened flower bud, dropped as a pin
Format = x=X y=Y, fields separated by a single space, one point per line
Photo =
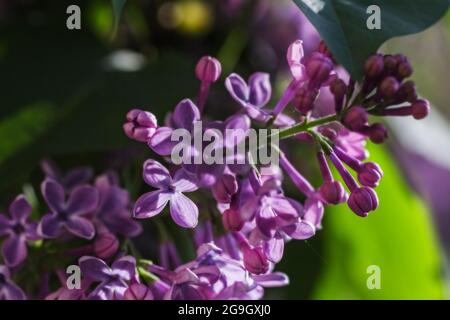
x=208 y=69
x=362 y=201
x=138 y=291
x=420 y=109
x=374 y=66
x=324 y=49
x=338 y=88
x=318 y=69
x=390 y=63
x=255 y=260
x=388 y=87
x=106 y=245
x=356 y=118
x=407 y=92
x=304 y=100
x=232 y=220
x=377 y=133
x=333 y=192
x=404 y=70
x=141 y=125
x=225 y=188
x=370 y=174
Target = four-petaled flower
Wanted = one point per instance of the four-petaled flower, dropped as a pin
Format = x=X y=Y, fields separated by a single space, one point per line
x=183 y=211
x=68 y=214
x=19 y=230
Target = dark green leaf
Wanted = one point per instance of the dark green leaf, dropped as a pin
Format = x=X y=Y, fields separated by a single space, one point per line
x=342 y=25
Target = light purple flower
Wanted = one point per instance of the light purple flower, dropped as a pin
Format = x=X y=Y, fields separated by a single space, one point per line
x=68 y=214
x=74 y=177
x=19 y=230
x=114 y=280
x=8 y=289
x=183 y=210
x=113 y=208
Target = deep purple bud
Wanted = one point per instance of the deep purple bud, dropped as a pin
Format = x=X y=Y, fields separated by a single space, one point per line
x=106 y=245
x=407 y=92
x=255 y=260
x=333 y=192
x=370 y=174
x=140 y=125
x=400 y=58
x=318 y=68
x=390 y=63
x=304 y=100
x=338 y=88
x=356 y=118
x=362 y=201
x=225 y=188
x=231 y=220
x=420 y=109
x=208 y=69
x=374 y=66
x=377 y=133
x=404 y=70
x=388 y=87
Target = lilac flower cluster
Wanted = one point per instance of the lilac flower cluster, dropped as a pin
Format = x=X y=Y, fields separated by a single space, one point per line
x=240 y=215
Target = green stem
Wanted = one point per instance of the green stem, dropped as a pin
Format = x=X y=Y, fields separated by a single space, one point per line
x=304 y=126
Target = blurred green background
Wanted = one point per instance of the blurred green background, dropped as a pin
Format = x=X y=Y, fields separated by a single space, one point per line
x=64 y=94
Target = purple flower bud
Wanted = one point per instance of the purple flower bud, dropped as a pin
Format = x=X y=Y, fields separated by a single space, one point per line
x=333 y=192
x=420 y=109
x=318 y=69
x=208 y=69
x=106 y=245
x=338 y=88
x=225 y=188
x=390 y=63
x=370 y=174
x=362 y=201
x=304 y=100
x=407 y=92
x=400 y=58
x=404 y=70
x=231 y=220
x=140 y=125
x=377 y=133
x=255 y=260
x=374 y=66
x=388 y=87
x=294 y=57
x=356 y=118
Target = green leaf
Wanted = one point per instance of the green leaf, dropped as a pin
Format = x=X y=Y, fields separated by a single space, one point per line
x=342 y=25
x=398 y=237
x=118 y=6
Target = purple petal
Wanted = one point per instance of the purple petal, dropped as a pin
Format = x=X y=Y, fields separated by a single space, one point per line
x=95 y=269
x=161 y=141
x=138 y=291
x=82 y=200
x=125 y=268
x=183 y=183
x=77 y=177
x=80 y=227
x=49 y=226
x=5 y=225
x=20 y=209
x=238 y=89
x=12 y=292
x=156 y=175
x=183 y=211
x=260 y=89
x=185 y=115
x=150 y=204
x=123 y=224
x=294 y=57
x=53 y=194
x=14 y=250
x=301 y=230
x=266 y=221
x=274 y=249
x=275 y=279
x=286 y=209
